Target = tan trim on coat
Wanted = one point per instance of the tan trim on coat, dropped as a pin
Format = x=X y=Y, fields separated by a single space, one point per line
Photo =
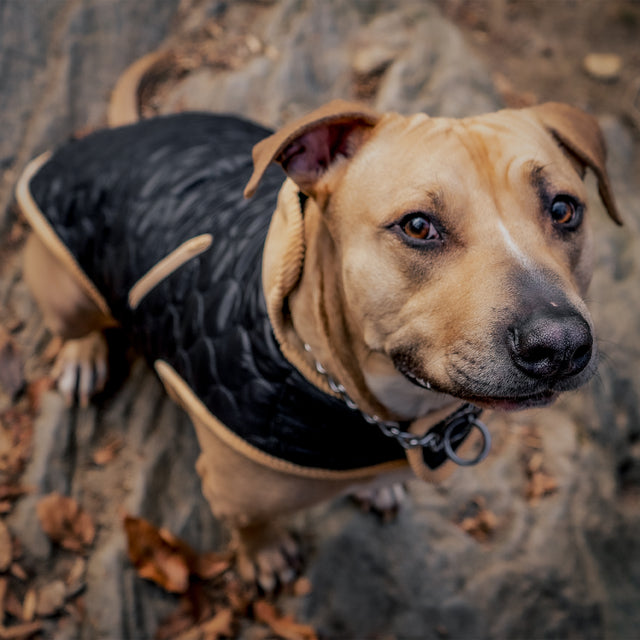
x=171 y=262
x=49 y=237
x=181 y=393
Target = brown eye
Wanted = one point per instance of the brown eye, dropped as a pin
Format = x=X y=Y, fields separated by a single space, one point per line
x=566 y=212
x=417 y=227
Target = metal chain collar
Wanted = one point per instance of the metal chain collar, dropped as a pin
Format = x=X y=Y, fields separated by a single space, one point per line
x=455 y=428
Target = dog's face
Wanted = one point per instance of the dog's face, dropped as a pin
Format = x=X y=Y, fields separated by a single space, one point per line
x=464 y=247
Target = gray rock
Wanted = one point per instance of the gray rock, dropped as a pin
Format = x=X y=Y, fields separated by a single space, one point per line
x=59 y=60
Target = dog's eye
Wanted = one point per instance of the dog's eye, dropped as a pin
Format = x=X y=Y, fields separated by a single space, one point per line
x=416 y=227
x=566 y=212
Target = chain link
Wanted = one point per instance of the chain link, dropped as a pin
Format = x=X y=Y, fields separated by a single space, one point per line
x=455 y=427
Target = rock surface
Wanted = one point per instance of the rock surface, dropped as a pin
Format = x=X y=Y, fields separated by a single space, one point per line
x=539 y=541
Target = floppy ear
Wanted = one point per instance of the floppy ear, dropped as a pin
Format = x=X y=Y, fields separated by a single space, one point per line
x=306 y=148
x=580 y=134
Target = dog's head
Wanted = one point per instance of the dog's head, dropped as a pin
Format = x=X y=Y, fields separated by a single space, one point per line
x=464 y=245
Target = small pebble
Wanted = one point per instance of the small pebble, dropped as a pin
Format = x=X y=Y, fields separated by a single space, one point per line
x=603 y=66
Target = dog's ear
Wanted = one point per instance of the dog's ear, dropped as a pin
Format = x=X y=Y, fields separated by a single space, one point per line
x=579 y=133
x=306 y=148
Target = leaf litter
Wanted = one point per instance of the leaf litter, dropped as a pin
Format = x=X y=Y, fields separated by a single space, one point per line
x=214 y=601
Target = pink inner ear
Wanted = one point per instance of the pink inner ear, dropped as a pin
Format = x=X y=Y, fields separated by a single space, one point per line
x=308 y=156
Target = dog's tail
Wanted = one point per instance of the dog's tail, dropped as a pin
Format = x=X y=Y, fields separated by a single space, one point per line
x=126 y=97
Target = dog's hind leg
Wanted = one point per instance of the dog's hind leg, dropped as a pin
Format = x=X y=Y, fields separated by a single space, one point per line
x=72 y=312
x=385 y=501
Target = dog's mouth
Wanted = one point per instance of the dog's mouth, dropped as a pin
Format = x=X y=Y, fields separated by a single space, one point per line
x=501 y=403
x=419 y=382
x=515 y=403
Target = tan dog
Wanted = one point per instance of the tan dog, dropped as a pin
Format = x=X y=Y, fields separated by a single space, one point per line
x=431 y=261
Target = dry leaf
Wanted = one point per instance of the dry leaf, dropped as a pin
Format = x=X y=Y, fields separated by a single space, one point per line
x=51 y=598
x=76 y=573
x=16 y=431
x=4 y=583
x=180 y=623
x=302 y=587
x=12 y=491
x=29 y=605
x=18 y=572
x=11 y=370
x=481 y=523
x=108 y=450
x=65 y=522
x=283 y=626
x=20 y=631
x=220 y=625
x=52 y=350
x=36 y=389
x=158 y=555
x=210 y=565
x=6 y=547
x=540 y=483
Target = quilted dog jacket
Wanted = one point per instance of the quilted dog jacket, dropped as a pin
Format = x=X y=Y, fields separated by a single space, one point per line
x=121 y=200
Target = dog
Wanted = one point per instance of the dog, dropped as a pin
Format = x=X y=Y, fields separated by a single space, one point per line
x=339 y=324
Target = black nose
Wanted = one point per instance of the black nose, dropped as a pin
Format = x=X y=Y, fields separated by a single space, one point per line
x=551 y=344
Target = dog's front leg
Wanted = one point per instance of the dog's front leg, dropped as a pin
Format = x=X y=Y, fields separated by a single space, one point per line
x=71 y=313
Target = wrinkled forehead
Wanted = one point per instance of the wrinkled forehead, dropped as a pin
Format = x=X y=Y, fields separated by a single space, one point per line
x=484 y=152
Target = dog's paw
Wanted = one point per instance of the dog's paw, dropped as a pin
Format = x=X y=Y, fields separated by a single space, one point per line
x=81 y=368
x=384 y=501
x=271 y=562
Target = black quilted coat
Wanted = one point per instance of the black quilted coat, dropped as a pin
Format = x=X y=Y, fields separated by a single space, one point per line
x=122 y=199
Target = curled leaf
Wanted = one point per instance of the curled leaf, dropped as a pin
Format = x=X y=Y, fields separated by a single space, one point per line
x=160 y=556
x=283 y=626
x=65 y=522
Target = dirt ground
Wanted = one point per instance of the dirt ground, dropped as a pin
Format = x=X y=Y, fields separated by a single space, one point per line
x=536 y=50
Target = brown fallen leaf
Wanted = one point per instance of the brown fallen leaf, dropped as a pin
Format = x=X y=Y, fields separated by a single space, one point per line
x=220 y=625
x=540 y=483
x=6 y=547
x=20 y=631
x=108 y=450
x=16 y=432
x=12 y=605
x=12 y=491
x=302 y=587
x=160 y=556
x=52 y=349
x=283 y=626
x=11 y=369
x=481 y=523
x=18 y=572
x=4 y=583
x=36 y=389
x=65 y=522
x=51 y=598
x=208 y=566
x=76 y=573
x=29 y=605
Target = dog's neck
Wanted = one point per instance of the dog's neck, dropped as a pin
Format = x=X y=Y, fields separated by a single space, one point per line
x=303 y=291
